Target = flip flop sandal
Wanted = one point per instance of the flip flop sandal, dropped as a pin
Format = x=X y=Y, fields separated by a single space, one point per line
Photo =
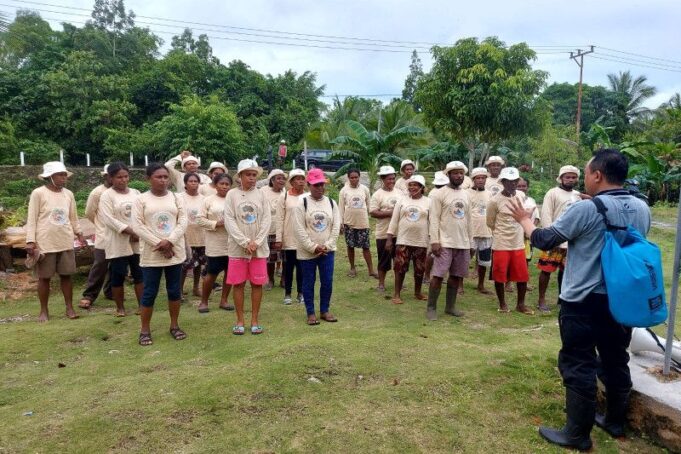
x=145 y=339
x=526 y=311
x=117 y=315
x=178 y=334
x=397 y=301
x=203 y=310
x=228 y=307
x=312 y=322
x=328 y=318
x=352 y=273
x=504 y=311
x=256 y=329
x=238 y=330
x=421 y=297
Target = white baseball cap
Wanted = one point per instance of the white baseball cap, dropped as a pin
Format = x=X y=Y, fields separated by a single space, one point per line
x=407 y=162
x=105 y=170
x=440 y=179
x=567 y=169
x=455 y=165
x=296 y=173
x=216 y=165
x=498 y=159
x=274 y=172
x=52 y=167
x=509 y=173
x=386 y=170
x=189 y=159
x=418 y=179
x=248 y=164
x=478 y=171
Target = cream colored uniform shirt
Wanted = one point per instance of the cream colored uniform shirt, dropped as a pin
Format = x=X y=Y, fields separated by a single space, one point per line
x=247 y=218
x=52 y=220
x=284 y=227
x=319 y=224
x=479 y=200
x=353 y=204
x=195 y=235
x=207 y=190
x=92 y=214
x=531 y=204
x=273 y=200
x=494 y=186
x=556 y=201
x=450 y=218
x=467 y=182
x=217 y=239
x=383 y=200
x=402 y=186
x=157 y=218
x=116 y=213
x=177 y=177
x=507 y=234
x=409 y=223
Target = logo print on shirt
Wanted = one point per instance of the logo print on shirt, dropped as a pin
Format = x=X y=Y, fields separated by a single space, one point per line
x=319 y=221
x=192 y=215
x=459 y=209
x=58 y=216
x=494 y=190
x=163 y=223
x=413 y=213
x=356 y=202
x=126 y=210
x=391 y=202
x=248 y=213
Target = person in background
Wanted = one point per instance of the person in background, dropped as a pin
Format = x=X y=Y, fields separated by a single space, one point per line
x=508 y=243
x=189 y=164
x=98 y=276
x=122 y=244
x=409 y=224
x=316 y=223
x=381 y=208
x=531 y=205
x=556 y=201
x=247 y=220
x=439 y=180
x=51 y=225
x=285 y=236
x=213 y=169
x=407 y=169
x=594 y=344
x=159 y=219
x=194 y=235
x=482 y=235
x=211 y=218
x=353 y=205
x=494 y=164
x=276 y=183
x=451 y=239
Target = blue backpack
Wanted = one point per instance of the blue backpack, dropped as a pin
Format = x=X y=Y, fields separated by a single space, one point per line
x=632 y=270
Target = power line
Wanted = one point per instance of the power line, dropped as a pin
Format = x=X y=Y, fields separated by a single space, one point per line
x=635 y=64
x=639 y=55
x=637 y=60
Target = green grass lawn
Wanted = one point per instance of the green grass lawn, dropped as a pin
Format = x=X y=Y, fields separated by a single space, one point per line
x=382 y=379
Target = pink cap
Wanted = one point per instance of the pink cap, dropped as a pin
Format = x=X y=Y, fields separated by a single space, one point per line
x=315 y=176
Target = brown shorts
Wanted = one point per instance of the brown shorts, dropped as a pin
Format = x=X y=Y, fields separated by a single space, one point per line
x=404 y=254
x=62 y=263
x=454 y=261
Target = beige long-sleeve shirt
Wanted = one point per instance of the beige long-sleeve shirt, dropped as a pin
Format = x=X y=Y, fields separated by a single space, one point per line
x=157 y=218
x=401 y=185
x=556 y=201
x=319 y=224
x=116 y=212
x=217 y=238
x=177 y=177
x=247 y=218
x=284 y=223
x=92 y=214
x=383 y=200
x=507 y=234
x=479 y=200
x=353 y=204
x=494 y=186
x=273 y=201
x=194 y=236
x=410 y=221
x=207 y=190
x=450 y=218
x=52 y=220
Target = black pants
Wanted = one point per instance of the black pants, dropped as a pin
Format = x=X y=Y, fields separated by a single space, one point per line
x=291 y=263
x=587 y=328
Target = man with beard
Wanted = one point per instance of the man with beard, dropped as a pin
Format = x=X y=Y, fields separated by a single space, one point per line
x=451 y=238
x=494 y=165
x=556 y=201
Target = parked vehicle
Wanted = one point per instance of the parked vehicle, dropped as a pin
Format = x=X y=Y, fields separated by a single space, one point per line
x=317 y=158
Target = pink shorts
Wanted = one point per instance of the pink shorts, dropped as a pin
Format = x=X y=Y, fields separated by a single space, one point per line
x=241 y=270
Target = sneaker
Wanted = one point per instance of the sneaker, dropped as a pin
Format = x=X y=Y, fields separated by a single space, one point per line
x=287 y=300
x=301 y=300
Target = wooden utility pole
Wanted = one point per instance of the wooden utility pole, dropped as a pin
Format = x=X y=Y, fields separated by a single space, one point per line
x=574 y=56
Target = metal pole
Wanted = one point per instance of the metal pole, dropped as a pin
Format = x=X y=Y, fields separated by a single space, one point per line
x=305 y=153
x=672 y=300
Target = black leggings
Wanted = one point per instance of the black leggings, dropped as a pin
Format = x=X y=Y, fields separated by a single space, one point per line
x=291 y=263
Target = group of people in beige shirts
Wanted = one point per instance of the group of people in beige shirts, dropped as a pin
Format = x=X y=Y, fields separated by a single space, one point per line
x=213 y=224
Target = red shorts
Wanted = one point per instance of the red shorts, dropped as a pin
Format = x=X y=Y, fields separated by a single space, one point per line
x=241 y=270
x=509 y=266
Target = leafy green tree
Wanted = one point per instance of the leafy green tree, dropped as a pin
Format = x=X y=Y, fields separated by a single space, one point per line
x=200 y=47
x=482 y=92
x=410 y=84
x=110 y=15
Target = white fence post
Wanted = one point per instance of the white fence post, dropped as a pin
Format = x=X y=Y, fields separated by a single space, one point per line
x=87 y=159
x=21 y=158
x=131 y=160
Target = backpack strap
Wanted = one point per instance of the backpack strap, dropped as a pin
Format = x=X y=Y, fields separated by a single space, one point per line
x=602 y=209
x=305 y=203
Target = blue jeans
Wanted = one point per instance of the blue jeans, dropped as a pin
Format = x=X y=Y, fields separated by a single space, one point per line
x=309 y=269
x=151 y=276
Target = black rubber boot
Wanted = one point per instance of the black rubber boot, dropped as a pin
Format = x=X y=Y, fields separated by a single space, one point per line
x=580 y=420
x=431 y=310
x=615 y=417
x=450 y=302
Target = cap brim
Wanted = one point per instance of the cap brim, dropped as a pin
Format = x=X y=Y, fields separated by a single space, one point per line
x=68 y=174
x=257 y=169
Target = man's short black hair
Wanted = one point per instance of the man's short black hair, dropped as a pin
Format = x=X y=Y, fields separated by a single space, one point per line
x=612 y=164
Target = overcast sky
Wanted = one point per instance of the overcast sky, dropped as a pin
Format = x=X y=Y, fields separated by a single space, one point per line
x=648 y=28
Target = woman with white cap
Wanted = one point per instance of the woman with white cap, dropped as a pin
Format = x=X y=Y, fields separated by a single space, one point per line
x=51 y=225
x=316 y=223
x=409 y=224
x=353 y=204
x=215 y=168
x=247 y=220
x=194 y=236
x=494 y=164
x=407 y=169
x=285 y=235
x=482 y=235
x=276 y=181
x=381 y=208
x=98 y=276
x=189 y=164
x=211 y=218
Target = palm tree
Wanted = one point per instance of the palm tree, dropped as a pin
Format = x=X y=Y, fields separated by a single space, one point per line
x=4 y=23
x=634 y=92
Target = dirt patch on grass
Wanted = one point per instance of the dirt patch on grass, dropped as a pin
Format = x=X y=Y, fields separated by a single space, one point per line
x=14 y=286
